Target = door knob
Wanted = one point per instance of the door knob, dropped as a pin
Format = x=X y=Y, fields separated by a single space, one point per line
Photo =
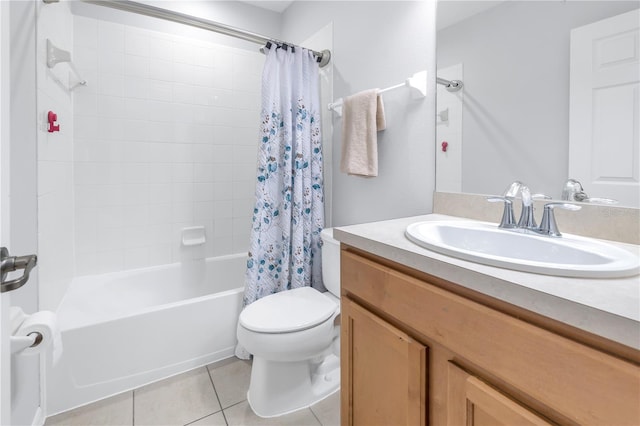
x=15 y=263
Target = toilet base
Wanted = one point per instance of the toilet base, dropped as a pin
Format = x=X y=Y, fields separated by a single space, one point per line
x=279 y=388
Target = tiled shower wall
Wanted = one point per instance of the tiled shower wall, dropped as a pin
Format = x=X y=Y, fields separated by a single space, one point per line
x=165 y=138
x=55 y=159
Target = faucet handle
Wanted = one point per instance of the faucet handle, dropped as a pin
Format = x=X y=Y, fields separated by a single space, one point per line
x=508 y=218
x=548 y=225
x=540 y=197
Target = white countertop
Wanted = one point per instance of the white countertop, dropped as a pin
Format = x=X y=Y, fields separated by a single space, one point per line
x=605 y=307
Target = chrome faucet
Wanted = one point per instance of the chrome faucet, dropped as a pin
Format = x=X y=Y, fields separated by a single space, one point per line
x=573 y=191
x=548 y=226
x=527 y=220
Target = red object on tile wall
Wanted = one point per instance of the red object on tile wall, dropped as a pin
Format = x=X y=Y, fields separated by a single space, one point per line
x=52 y=118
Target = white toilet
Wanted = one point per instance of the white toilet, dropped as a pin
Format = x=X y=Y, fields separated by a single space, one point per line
x=294 y=338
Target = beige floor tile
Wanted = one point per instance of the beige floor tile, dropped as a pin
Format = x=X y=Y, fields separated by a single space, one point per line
x=241 y=415
x=216 y=419
x=176 y=401
x=114 y=411
x=328 y=410
x=231 y=381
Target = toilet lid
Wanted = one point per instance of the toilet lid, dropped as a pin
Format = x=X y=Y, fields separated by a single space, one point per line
x=288 y=311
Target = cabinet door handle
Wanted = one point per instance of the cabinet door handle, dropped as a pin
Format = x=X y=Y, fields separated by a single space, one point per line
x=15 y=263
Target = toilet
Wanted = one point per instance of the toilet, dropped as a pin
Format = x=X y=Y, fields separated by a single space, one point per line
x=294 y=337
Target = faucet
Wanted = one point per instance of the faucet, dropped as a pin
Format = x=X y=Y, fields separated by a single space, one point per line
x=573 y=191
x=548 y=226
x=527 y=220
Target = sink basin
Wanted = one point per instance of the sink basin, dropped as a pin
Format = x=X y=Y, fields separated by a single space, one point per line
x=485 y=243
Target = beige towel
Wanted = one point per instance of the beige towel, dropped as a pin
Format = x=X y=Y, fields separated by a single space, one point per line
x=362 y=118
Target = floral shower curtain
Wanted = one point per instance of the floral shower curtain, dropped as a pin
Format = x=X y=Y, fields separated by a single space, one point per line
x=284 y=251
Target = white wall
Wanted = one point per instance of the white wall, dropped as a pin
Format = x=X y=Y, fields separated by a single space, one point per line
x=379 y=44
x=516 y=90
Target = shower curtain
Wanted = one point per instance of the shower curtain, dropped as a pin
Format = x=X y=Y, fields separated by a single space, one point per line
x=284 y=251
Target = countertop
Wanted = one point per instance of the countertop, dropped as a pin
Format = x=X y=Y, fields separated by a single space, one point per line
x=609 y=308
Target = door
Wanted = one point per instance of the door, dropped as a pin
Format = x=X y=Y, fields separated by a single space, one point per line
x=5 y=356
x=19 y=375
x=384 y=372
x=604 y=113
x=472 y=402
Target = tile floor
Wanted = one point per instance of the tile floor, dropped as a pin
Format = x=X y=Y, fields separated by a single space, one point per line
x=215 y=395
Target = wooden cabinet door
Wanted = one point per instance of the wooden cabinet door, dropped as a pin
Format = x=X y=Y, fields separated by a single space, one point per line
x=384 y=372
x=472 y=402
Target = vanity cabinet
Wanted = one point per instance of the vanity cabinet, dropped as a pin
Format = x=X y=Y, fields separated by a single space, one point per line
x=472 y=402
x=417 y=350
x=384 y=363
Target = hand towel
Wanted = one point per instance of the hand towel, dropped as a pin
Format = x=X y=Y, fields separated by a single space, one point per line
x=362 y=118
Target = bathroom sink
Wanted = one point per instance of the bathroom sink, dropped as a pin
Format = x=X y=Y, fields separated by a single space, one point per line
x=485 y=243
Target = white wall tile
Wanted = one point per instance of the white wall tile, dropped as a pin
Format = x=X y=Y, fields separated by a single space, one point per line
x=110 y=36
x=137 y=87
x=159 y=194
x=109 y=107
x=203 y=76
x=204 y=134
x=245 y=81
x=161 y=69
x=85 y=58
x=223 y=209
x=202 y=191
x=203 y=56
x=161 y=91
x=137 y=66
x=182 y=173
x=225 y=134
x=85 y=31
x=222 y=191
x=183 y=53
x=110 y=84
x=248 y=63
x=136 y=42
x=223 y=58
x=242 y=207
x=136 y=130
x=110 y=61
x=159 y=173
x=183 y=93
x=162 y=142
x=182 y=212
x=223 y=78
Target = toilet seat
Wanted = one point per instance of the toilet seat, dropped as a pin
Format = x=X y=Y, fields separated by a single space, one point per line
x=288 y=311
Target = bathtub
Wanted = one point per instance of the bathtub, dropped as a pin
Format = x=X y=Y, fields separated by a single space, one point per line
x=127 y=329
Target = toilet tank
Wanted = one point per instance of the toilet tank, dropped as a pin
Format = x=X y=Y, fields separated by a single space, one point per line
x=330 y=262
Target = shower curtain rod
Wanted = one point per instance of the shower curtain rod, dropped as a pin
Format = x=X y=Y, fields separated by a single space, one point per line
x=143 y=9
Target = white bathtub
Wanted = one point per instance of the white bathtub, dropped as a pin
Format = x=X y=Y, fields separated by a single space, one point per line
x=127 y=329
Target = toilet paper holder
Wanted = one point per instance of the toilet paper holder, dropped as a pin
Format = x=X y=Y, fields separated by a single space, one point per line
x=20 y=343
